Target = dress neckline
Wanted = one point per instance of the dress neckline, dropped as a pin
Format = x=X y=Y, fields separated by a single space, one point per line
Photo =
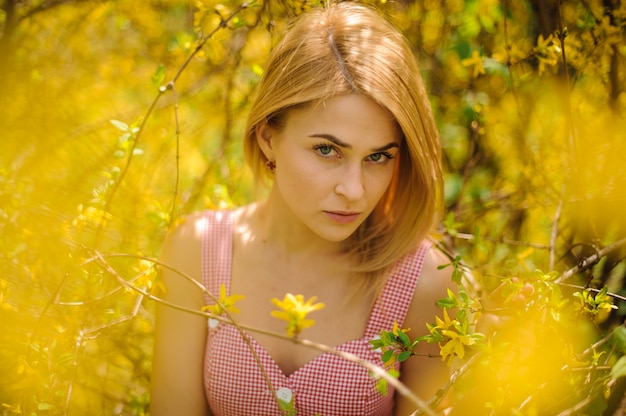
x=266 y=357
x=223 y=275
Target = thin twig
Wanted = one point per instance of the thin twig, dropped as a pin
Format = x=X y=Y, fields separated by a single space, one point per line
x=507 y=48
x=223 y=24
x=443 y=390
x=591 y=289
x=124 y=171
x=99 y=298
x=100 y=259
x=568 y=106
x=571 y=130
x=177 y=157
x=161 y=91
x=469 y=237
x=575 y=410
x=591 y=260
x=554 y=234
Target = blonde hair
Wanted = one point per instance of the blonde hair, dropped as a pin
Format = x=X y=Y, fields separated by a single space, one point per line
x=348 y=48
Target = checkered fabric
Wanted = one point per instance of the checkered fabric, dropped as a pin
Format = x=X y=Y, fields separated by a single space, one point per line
x=327 y=385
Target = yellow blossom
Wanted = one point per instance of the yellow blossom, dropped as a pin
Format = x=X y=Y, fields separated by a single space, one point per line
x=225 y=303
x=294 y=311
x=546 y=52
x=146 y=271
x=610 y=33
x=477 y=62
x=396 y=329
x=455 y=345
x=446 y=323
x=455 y=340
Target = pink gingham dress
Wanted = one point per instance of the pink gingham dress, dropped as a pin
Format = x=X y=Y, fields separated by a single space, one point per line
x=327 y=385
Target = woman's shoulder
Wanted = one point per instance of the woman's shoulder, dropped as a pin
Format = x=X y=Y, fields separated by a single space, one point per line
x=182 y=247
x=437 y=264
x=431 y=260
x=185 y=237
x=434 y=280
x=190 y=228
x=186 y=228
x=181 y=252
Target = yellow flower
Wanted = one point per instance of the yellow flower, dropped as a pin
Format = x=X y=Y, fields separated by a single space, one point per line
x=446 y=323
x=294 y=312
x=396 y=329
x=546 y=52
x=146 y=271
x=544 y=44
x=455 y=345
x=477 y=62
x=225 y=303
x=455 y=340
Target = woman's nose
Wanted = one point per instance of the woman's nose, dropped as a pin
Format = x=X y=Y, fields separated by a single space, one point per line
x=350 y=182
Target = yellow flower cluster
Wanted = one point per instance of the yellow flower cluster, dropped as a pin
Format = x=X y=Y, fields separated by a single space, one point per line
x=453 y=336
x=294 y=311
x=225 y=303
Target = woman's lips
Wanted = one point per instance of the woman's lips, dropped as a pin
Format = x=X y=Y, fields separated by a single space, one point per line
x=342 y=217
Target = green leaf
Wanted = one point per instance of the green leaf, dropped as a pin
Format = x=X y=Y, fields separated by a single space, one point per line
x=381 y=386
x=284 y=406
x=464 y=298
x=44 y=406
x=376 y=343
x=432 y=337
x=461 y=315
x=447 y=303
x=619 y=369
x=386 y=355
x=457 y=276
x=386 y=337
x=120 y=125
x=404 y=338
x=403 y=356
x=159 y=75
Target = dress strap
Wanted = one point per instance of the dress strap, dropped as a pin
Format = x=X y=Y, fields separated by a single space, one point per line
x=217 y=249
x=393 y=303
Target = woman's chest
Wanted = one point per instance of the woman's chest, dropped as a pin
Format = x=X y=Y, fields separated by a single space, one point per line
x=238 y=373
x=342 y=318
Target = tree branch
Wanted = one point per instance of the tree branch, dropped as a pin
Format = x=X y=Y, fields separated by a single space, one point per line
x=590 y=261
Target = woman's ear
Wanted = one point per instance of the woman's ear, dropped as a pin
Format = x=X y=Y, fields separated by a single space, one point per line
x=264 y=137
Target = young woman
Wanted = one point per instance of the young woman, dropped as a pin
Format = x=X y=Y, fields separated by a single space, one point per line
x=343 y=131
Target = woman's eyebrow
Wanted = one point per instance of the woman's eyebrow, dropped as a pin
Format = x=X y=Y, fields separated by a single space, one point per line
x=339 y=143
x=333 y=139
x=387 y=147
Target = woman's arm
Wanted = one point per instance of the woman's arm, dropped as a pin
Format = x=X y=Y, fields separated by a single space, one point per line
x=421 y=373
x=180 y=337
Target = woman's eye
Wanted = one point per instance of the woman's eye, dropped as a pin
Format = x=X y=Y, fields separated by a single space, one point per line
x=324 y=149
x=381 y=157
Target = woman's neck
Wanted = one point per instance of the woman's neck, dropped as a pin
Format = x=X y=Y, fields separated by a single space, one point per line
x=272 y=223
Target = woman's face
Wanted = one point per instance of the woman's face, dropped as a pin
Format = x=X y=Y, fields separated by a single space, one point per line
x=334 y=162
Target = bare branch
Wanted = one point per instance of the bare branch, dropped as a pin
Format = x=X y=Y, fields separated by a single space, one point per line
x=162 y=90
x=590 y=261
